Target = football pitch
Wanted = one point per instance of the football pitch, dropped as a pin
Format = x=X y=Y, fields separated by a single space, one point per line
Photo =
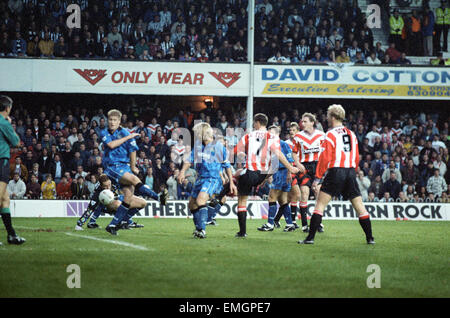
x=164 y=260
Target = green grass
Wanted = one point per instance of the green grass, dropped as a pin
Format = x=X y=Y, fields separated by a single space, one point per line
x=413 y=256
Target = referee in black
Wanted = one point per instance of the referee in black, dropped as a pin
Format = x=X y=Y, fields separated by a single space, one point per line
x=8 y=139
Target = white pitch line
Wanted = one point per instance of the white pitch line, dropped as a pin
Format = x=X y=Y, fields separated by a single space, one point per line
x=142 y=248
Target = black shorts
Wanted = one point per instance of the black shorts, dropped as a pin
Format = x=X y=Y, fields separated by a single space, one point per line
x=341 y=181
x=4 y=170
x=307 y=178
x=249 y=180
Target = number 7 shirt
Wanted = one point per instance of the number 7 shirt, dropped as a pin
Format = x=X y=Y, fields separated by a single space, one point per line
x=340 y=150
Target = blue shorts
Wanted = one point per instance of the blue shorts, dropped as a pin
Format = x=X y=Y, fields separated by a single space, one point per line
x=207 y=185
x=279 y=181
x=116 y=172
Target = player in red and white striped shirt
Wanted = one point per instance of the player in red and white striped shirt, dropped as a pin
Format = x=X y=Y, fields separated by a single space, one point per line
x=337 y=168
x=261 y=150
x=308 y=144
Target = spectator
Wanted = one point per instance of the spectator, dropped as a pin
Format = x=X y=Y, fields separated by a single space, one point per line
x=427 y=30
x=396 y=24
x=442 y=25
x=16 y=187
x=392 y=186
x=80 y=172
x=363 y=184
x=172 y=185
x=392 y=169
x=18 y=167
x=436 y=184
x=46 y=46
x=48 y=188
x=63 y=189
x=393 y=53
x=184 y=190
x=79 y=189
x=149 y=179
x=33 y=190
x=376 y=187
x=91 y=184
x=57 y=168
x=19 y=46
x=373 y=59
x=343 y=57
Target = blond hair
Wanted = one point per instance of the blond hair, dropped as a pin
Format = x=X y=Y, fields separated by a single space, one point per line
x=276 y=128
x=310 y=116
x=115 y=113
x=337 y=112
x=203 y=131
x=294 y=124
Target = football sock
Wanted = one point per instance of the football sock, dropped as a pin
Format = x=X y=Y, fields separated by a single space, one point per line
x=293 y=211
x=196 y=218
x=217 y=209
x=303 y=208
x=203 y=216
x=145 y=190
x=96 y=214
x=287 y=213
x=272 y=212
x=316 y=219
x=242 y=219
x=122 y=210
x=279 y=214
x=130 y=214
x=6 y=218
x=364 y=221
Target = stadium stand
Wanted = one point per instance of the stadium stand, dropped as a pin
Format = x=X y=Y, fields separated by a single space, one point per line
x=199 y=30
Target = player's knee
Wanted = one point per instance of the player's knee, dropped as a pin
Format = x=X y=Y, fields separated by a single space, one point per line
x=114 y=205
x=140 y=203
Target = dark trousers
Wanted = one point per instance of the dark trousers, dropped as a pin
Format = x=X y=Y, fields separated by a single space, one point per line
x=441 y=29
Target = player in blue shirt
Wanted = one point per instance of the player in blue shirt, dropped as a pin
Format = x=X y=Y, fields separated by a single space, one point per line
x=209 y=158
x=95 y=207
x=119 y=163
x=281 y=187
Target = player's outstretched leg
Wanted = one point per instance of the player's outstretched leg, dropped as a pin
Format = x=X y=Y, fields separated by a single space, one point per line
x=92 y=224
x=121 y=212
x=270 y=219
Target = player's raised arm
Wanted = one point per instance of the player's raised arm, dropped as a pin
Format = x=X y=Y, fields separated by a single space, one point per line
x=116 y=143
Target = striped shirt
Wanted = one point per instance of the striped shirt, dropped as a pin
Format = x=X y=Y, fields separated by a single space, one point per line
x=303 y=52
x=340 y=150
x=308 y=146
x=259 y=146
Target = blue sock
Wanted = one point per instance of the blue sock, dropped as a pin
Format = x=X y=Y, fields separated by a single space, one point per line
x=120 y=214
x=203 y=216
x=145 y=190
x=210 y=213
x=96 y=214
x=287 y=213
x=196 y=218
x=272 y=212
x=130 y=214
x=217 y=209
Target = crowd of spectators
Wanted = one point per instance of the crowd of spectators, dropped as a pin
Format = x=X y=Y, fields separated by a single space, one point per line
x=286 y=31
x=403 y=157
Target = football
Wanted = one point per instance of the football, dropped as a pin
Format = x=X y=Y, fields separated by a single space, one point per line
x=106 y=197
